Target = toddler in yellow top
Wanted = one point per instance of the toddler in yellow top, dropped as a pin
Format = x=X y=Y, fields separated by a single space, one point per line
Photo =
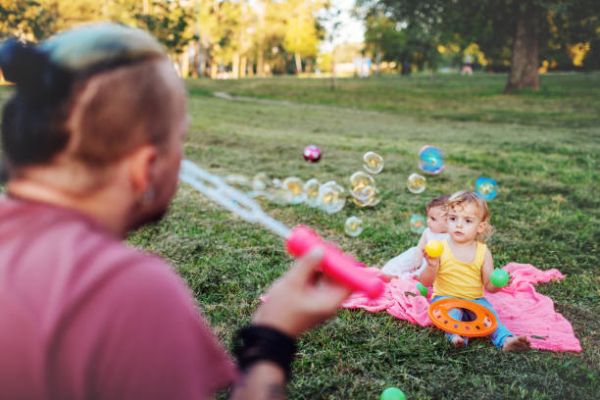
x=465 y=266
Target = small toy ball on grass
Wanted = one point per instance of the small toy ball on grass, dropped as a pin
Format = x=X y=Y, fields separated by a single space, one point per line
x=312 y=153
x=392 y=393
x=422 y=289
x=499 y=278
x=434 y=248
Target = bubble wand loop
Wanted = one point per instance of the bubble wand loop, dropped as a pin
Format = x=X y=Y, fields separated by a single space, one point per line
x=299 y=240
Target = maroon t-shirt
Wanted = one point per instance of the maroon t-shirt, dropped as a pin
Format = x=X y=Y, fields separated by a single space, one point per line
x=82 y=316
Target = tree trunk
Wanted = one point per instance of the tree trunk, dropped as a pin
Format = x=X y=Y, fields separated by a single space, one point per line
x=260 y=62
x=332 y=82
x=298 y=60
x=243 y=66
x=235 y=68
x=525 y=53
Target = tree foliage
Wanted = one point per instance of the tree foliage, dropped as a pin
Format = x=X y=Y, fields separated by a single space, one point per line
x=27 y=19
x=492 y=24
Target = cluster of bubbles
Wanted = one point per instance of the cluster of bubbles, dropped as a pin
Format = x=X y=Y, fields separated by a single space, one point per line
x=331 y=197
x=363 y=190
x=431 y=162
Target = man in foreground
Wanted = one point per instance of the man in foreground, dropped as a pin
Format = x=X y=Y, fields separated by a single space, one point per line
x=92 y=141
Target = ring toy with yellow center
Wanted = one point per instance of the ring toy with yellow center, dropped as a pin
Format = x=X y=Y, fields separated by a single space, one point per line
x=484 y=323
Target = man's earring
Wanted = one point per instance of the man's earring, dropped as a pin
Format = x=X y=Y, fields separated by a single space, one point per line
x=149 y=195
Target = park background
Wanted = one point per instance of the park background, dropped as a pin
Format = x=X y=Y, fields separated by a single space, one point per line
x=292 y=73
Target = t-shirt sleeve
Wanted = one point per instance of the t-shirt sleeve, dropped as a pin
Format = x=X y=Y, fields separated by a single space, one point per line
x=157 y=345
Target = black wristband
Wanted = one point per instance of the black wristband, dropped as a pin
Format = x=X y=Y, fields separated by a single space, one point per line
x=261 y=343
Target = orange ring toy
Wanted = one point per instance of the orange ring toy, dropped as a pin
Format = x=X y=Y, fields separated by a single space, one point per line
x=484 y=324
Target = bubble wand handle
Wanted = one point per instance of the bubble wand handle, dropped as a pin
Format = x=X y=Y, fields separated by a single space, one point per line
x=335 y=263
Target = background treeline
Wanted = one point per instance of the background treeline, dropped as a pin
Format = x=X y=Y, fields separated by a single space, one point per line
x=238 y=38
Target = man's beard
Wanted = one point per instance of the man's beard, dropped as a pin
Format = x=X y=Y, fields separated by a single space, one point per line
x=150 y=218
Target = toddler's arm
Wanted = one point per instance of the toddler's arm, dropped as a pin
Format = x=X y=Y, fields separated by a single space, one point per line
x=428 y=275
x=486 y=272
x=420 y=249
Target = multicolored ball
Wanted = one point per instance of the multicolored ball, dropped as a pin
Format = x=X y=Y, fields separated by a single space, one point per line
x=312 y=153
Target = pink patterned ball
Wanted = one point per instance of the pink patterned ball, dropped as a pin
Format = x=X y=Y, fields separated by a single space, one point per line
x=312 y=153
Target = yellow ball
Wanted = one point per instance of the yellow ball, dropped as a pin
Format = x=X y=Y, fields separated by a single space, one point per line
x=434 y=248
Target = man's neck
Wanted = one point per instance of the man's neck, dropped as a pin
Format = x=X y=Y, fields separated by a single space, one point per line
x=93 y=205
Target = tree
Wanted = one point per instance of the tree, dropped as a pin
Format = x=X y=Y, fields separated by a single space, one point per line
x=27 y=19
x=332 y=17
x=524 y=26
x=301 y=34
x=401 y=42
x=168 y=22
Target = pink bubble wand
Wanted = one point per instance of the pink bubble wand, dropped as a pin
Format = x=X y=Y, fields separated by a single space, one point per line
x=336 y=264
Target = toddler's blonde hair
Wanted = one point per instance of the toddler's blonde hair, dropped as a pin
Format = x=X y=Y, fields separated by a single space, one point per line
x=462 y=198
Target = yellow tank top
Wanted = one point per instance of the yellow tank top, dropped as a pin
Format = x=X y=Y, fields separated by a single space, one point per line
x=459 y=279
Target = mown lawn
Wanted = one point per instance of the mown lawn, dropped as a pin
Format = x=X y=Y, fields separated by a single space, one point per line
x=543 y=149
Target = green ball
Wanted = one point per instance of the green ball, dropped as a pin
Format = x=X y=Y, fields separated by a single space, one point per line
x=392 y=393
x=499 y=278
x=422 y=289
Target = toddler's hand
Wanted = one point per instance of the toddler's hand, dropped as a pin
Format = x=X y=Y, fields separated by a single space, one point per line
x=431 y=262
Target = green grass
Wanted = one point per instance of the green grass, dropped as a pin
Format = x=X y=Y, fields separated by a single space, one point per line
x=543 y=148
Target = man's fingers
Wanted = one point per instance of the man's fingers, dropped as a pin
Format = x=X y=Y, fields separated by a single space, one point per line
x=304 y=268
x=328 y=291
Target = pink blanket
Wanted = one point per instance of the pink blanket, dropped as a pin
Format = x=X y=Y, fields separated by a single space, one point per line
x=519 y=306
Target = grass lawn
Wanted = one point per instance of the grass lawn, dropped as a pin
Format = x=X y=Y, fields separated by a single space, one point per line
x=543 y=148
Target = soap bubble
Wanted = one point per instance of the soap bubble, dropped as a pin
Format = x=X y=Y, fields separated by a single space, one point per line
x=373 y=162
x=331 y=197
x=311 y=189
x=260 y=182
x=366 y=196
x=312 y=153
x=416 y=183
x=353 y=226
x=418 y=223
x=276 y=182
x=486 y=188
x=294 y=188
x=431 y=160
x=361 y=179
x=237 y=180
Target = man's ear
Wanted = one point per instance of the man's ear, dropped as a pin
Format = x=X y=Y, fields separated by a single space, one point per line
x=141 y=164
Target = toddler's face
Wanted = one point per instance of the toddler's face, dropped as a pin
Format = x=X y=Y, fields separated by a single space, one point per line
x=464 y=223
x=436 y=220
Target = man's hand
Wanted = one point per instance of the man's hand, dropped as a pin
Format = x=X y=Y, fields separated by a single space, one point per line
x=301 y=299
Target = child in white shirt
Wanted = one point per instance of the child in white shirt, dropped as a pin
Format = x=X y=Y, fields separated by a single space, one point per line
x=411 y=262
